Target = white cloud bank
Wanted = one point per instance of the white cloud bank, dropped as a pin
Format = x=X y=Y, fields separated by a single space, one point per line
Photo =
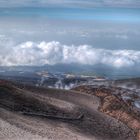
x=30 y=53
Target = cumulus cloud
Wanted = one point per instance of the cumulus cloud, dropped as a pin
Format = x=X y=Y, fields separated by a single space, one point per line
x=31 y=53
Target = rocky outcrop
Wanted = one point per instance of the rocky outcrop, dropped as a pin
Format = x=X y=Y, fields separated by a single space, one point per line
x=113 y=105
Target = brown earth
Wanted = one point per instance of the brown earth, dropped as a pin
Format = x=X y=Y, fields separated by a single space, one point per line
x=28 y=112
x=114 y=106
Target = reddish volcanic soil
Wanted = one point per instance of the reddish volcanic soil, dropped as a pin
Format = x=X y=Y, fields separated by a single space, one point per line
x=113 y=105
x=28 y=112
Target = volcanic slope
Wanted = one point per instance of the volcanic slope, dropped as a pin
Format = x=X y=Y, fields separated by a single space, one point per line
x=118 y=103
x=28 y=112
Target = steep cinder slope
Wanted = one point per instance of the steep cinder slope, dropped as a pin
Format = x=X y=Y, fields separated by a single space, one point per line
x=50 y=112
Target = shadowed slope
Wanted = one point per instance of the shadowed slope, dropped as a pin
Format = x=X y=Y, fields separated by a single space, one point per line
x=72 y=111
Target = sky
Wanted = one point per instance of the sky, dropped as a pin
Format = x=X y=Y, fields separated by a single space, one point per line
x=99 y=32
x=70 y=3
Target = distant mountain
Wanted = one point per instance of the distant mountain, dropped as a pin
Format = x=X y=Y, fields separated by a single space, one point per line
x=98 y=69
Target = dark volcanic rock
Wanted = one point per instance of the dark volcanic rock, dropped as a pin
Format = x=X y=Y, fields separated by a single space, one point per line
x=75 y=111
x=19 y=100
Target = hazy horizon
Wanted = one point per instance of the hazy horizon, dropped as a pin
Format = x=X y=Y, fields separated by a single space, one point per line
x=36 y=33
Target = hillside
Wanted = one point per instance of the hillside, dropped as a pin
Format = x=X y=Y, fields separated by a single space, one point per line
x=41 y=113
